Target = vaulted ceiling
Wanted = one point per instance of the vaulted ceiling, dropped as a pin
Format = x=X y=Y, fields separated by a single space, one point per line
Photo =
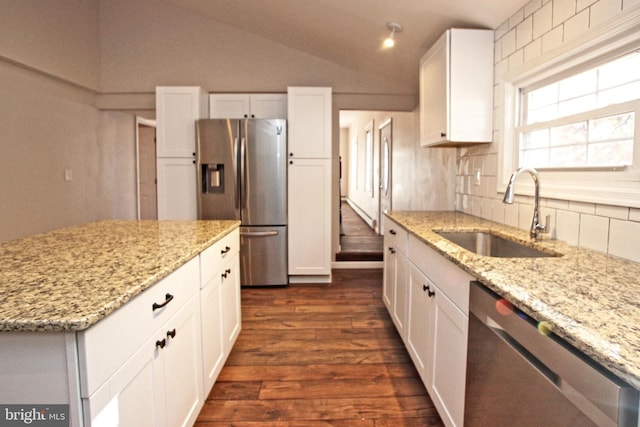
x=350 y=32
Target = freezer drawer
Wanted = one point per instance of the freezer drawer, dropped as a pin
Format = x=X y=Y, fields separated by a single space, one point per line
x=263 y=256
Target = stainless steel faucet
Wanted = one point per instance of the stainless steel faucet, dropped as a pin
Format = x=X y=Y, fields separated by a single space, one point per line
x=536 y=228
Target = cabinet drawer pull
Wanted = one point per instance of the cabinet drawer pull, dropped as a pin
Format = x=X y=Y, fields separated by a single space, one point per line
x=168 y=297
x=225 y=251
x=392 y=231
x=226 y=273
x=443 y=134
x=171 y=333
x=427 y=288
x=392 y=250
x=161 y=343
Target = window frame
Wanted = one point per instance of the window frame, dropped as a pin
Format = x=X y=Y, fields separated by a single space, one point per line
x=610 y=186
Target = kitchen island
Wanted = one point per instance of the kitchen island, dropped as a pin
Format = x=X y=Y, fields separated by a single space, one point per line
x=78 y=305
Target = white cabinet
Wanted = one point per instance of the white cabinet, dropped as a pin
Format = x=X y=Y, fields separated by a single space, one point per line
x=456 y=89
x=309 y=117
x=142 y=365
x=309 y=181
x=428 y=299
x=220 y=304
x=309 y=213
x=238 y=106
x=177 y=197
x=177 y=109
x=395 y=291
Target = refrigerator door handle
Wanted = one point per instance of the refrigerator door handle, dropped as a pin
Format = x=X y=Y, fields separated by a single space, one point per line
x=243 y=171
x=235 y=154
x=258 y=233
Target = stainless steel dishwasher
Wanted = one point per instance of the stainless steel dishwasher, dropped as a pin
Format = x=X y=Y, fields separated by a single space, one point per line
x=520 y=376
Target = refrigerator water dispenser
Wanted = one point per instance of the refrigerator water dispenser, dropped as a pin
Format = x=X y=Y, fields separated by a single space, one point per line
x=213 y=178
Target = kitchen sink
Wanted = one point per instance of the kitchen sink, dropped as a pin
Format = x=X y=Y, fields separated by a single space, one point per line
x=487 y=244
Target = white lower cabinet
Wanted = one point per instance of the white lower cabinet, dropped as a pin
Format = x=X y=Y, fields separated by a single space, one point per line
x=395 y=284
x=436 y=328
x=153 y=361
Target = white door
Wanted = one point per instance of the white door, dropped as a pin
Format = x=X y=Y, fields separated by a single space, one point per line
x=386 y=144
x=147 y=184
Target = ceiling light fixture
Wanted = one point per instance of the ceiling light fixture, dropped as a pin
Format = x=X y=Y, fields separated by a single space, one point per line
x=394 y=27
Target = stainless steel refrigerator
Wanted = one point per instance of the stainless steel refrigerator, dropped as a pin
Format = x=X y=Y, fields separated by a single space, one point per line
x=242 y=174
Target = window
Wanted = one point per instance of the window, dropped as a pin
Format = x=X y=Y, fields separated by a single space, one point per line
x=584 y=120
x=574 y=114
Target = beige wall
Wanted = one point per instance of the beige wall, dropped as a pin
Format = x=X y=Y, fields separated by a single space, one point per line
x=535 y=33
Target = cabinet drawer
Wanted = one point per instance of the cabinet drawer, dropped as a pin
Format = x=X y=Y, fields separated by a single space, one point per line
x=105 y=346
x=451 y=280
x=395 y=236
x=214 y=257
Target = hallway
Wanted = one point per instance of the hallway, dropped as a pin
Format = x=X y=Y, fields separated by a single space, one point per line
x=358 y=241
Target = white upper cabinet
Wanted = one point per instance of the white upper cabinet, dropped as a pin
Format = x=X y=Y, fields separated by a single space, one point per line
x=177 y=109
x=239 y=106
x=309 y=122
x=456 y=89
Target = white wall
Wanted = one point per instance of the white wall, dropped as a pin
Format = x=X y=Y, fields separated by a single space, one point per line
x=537 y=29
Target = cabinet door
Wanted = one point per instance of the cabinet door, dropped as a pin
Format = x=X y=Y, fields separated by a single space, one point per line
x=231 y=314
x=309 y=213
x=401 y=294
x=388 y=283
x=177 y=109
x=212 y=331
x=434 y=82
x=268 y=106
x=229 y=106
x=309 y=115
x=182 y=365
x=449 y=359
x=420 y=323
x=177 y=189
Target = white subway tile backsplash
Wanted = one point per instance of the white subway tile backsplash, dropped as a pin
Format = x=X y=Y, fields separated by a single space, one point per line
x=628 y=4
x=543 y=20
x=583 y=4
x=568 y=227
x=508 y=43
x=588 y=208
x=497 y=211
x=594 y=232
x=563 y=10
x=552 y=39
x=524 y=33
x=603 y=10
x=532 y=7
x=623 y=239
x=511 y=214
x=533 y=50
x=516 y=60
x=501 y=31
x=618 y=212
x=558 y=204
x=577 y=25
x=516 y=18
x=634 y=214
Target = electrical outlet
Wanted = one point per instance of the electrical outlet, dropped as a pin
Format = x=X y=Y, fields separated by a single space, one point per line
x=68 y=175
x=476 y=177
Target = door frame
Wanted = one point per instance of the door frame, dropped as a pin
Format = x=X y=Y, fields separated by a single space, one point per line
x=140 y=121
x=387 y=123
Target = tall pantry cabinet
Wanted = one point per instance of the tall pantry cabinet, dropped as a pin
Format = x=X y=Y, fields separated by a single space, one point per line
x=177 y=109
x=309 y=181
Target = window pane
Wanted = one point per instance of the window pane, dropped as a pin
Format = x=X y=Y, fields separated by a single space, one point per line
x=575 y=155
x=577 y=105
x=619 y=72
x=575 y=133
x=547 y=95
x=611 y=153
x=536 y=139
x=609 y=128
x=534 y=158
x=579 y=85
x=542 y=114
x=619 y=94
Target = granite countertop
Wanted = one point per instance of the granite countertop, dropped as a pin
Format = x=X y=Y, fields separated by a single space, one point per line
x=587 y=298
x=69 y=279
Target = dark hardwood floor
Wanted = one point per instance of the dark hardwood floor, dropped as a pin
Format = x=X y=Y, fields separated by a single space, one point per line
x=319 y=355
x=358 y=241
